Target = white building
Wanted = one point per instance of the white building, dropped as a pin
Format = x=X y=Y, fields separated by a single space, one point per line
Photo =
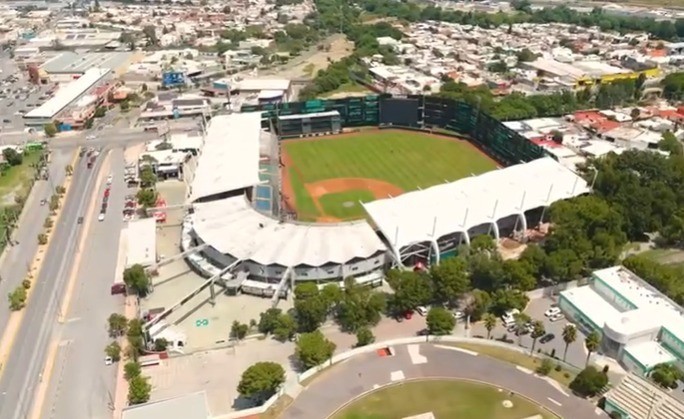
x=640 y=327
x=65 y=96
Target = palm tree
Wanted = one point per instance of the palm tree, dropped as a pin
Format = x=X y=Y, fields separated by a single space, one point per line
x=569 y=336
x=521 y=320
x=538 y=331
x=592 y=343
x=489 y=323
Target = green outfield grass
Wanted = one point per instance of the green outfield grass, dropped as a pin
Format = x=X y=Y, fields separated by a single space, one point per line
x=409 y=160
x=445 y=399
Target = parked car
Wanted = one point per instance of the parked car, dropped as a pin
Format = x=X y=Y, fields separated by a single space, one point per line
x=422 y=310
x=557 y=317
x=101 y=217
x=458 y=315
x=552 y=311
x=547 y=338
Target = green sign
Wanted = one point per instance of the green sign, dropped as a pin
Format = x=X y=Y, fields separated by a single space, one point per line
x=201 y=322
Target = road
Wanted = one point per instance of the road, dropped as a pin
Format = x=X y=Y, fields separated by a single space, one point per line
x=25 y=363
x=362 y=373
x=81 y=386
x=17 y=259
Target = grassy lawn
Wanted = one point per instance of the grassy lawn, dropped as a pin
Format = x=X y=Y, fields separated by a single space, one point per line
x=306 y=207
x=348 y=88
x=446 y=399
x=563 y=377
x=344 y=205
x=408 y=160
x=16 y=179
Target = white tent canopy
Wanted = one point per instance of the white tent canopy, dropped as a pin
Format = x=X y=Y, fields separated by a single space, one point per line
x=426 y=215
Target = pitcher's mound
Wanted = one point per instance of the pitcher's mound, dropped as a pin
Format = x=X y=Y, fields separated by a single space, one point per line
x=428 y=415
x=348 y=204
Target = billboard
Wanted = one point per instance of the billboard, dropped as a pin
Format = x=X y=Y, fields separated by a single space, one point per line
x=173 y=79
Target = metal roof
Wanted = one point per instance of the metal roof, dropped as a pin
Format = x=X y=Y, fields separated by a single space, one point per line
x=232 y=226
x=71 y=62
x=67 y=94
x=428 y=214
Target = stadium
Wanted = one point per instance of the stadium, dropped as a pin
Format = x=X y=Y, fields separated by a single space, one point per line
x=429 y=175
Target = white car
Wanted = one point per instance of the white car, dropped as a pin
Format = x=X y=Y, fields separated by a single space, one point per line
x=421 y=310
x=557 y=317
x=90 y=137
x=552 y=311
x=101 y=217
x=110 y=178
x=108 y=360
x=458 y=315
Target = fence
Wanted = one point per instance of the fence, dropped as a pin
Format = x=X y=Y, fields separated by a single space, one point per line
x=417 y=112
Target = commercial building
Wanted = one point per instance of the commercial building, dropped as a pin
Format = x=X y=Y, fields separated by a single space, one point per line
x=69 y=65
x=141 y=242
x=639 y=326
x=66 y=96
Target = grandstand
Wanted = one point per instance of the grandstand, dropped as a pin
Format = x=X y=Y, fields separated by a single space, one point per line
x=637 y=398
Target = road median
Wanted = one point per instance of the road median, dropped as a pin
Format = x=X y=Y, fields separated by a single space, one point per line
x=16 y=317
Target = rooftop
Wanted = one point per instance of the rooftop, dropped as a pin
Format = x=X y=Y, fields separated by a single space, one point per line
x=141 y=242
x=233 y=227
x=649 y=354
x=263 y=84
x=428 y=214
x=189 y=406
x=67 y=94
x=71 y=62
x=229 y=159
x=593 y=305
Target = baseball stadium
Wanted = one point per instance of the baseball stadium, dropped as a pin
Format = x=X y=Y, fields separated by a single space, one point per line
x=329 y=189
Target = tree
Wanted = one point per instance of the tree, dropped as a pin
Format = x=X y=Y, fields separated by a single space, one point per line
x=589 y=382
x=12 y=157
x=411 y=289
x=268 y=320
x=50 y=129
x=238 y=331
x=125 y=106
x=667 y=375
x=148 y=178
x=310 y=307
x=137 y=279
x=139 y=390
x=489 y=323
x=160 y=344
x=592 y=343
x=668 y=143
x=69 y=170
x=521 y=322
x=150 y=32
x=131 y=369
x=526 y=55
x=569 y=336
x=17 y=298
x=113 y=350
x=538 y=331
x=42 y=239
x=364 y=336
x=147 y=198
x=313 y=349
x=117 y=324
x=100 y=112
x=261 y=381
x=440 y=321
x=358 y=306
x=286 y=328
x=545 y=367
x=450 y=280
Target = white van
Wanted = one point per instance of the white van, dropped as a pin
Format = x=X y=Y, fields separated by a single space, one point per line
x=509 y=317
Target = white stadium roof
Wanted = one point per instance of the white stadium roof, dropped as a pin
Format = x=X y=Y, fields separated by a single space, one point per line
x=232 y=226
x=67 y=94
x=429 y=214
x=229 y=158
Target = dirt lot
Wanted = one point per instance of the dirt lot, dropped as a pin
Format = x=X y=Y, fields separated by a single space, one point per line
x=309 y=62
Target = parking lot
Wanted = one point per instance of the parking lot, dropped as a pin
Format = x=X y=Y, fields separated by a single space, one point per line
x=17 y=95
x=537 y=307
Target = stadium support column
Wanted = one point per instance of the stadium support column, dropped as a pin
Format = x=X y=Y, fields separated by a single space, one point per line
x=465 y=237
x=495 y=228
x=523 y=222
x=435 y=248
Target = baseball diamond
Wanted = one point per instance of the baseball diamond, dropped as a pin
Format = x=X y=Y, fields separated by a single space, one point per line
x=326 y=178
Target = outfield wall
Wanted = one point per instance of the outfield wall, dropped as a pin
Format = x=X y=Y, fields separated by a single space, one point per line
x=417 y=112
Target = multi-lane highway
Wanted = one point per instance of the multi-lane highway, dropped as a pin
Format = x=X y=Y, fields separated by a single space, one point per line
x=15 y=263
x=22 y=372
x=79 y=362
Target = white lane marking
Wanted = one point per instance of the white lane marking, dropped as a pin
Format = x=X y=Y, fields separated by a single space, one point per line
x=554 y=402
x=376 y=386
x=414 y=354
x=525 y=370
x=555 y=385
x=457 y=349
x=397 y=375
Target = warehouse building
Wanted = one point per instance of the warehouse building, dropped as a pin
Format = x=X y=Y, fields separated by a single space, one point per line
x=70 y=65
x=67 y=95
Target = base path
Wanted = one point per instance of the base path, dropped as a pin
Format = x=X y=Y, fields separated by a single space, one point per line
x=363 y=373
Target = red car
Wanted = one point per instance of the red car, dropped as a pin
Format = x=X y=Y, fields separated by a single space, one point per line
x=106 y=192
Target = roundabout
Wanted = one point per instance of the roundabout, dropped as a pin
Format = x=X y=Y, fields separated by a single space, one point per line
x=360 y=382
x=442 y=398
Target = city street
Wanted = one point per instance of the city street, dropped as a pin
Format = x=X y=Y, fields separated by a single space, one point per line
x=83 y=337
x=22 y=372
